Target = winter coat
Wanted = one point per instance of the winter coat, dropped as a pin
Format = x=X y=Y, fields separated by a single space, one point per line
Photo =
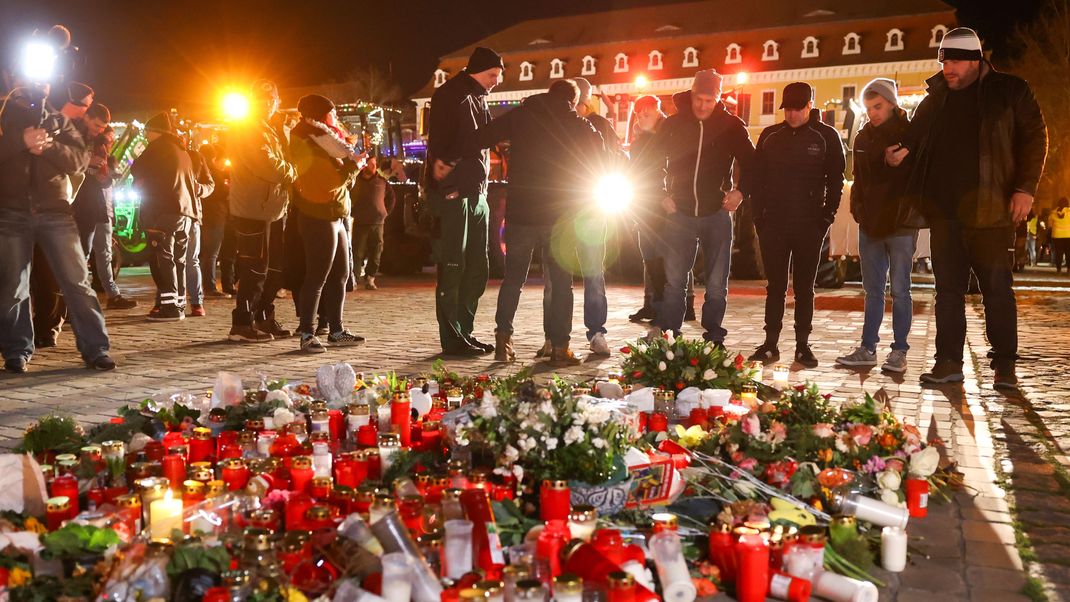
x=260 y=176
x=878 y=200
x=165 y=177
x=1060 y=223
x=1013 y=145
x=798 y=173
x=93 y=203
x=458 y=110
x=373 y=200
x=321 y=189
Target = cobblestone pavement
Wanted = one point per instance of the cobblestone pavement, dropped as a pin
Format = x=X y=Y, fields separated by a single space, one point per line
x=1001 y=444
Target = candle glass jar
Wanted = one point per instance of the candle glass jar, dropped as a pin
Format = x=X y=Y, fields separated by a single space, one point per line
x=582 y=521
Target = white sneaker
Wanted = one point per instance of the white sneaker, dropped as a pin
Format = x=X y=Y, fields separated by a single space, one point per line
x=859 y=357
x=599 y=346
x=896 y=362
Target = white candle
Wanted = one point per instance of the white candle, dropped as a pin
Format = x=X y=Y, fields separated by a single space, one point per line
x=321 y=459
x=838 y=588
x=781 y=374
x=893 y=549
x=875 y=511
x=457 y=551
x=165 y=515
x=263 y=443
x=675 y=579
x=397 y=577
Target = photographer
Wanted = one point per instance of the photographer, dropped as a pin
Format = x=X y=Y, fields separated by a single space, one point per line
x=40 y=150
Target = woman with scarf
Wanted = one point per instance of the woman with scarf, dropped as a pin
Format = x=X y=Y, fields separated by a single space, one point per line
x=326 y=167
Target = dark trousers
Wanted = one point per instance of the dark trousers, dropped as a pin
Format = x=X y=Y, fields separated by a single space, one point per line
x=211 y=243
x=521 y=241
x=168 y=236
x=49 y=310
x=260 y=254
x=461 y=257
x=367 y=246
x=1060 y=253
x=326 y=271
x=228 y=258
x=796 y=247
x=988 y=253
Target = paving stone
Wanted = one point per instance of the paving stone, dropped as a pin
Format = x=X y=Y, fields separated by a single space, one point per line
x=1044 y=519
x=993 y=555
x=973 y=530
x=1053 y=552
x=1029 y=500
x=986 y=578
x=932 y=579
x=986 y=595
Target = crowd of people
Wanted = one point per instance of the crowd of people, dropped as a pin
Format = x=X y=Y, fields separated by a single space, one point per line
x=300 y=209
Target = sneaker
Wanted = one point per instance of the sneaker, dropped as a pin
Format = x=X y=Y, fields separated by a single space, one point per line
x=321 y=331
x=896 y=362
x=197 y=311
x=345 y=338
x=1006 y=377
x=249 y=334
x=154 y=311
x=859 y=357
x=102 y=363
x=599 y=346
x=546 y=349
x=943 y=371
x=272 y=327
x=645 y=313
x=169 y=313
x=766 y=354
x=15 y=364
x=563 y=356
x=369 y=284
x=48 y=339
x=503 y=347
x=805 y=356
x=311 y=344
x=461 y=349
x=121 y=302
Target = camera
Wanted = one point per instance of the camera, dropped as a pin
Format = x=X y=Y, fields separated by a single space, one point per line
x=47 y=58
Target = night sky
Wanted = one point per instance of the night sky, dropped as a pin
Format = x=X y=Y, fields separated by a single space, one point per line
x=148 y=55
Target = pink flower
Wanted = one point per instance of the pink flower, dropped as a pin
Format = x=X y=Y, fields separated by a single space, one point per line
x=823 y=430
x=894 y=464
x=777 y=432
x=861 y=434
x=748 y=464
x=751 y=425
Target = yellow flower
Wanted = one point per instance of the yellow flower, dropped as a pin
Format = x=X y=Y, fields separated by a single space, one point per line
x=783 y=509
x=18 y=577
x=692 y=437
x=34 y=526
x=292 y=594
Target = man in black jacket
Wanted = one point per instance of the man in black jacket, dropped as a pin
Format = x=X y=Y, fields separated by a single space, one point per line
x=795 y=186
x=164 y=176
x=701 y=143
x=458 y=197
x=39 y=152
x=978 y=142
x=550 y=166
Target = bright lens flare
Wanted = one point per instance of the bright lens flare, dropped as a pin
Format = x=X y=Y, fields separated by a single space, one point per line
x=741 y=78
x=641 y=82
x=38 y=61
x=235 y=106
x=613 y=193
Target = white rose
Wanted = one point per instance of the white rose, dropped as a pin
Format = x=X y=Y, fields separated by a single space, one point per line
x=669 y=355
x=641 y=348
x=277 y=395
x=573 y=434
x=890 y=497
x=511 y=454
x=661 y=366
x=727 y=362
x=551 y=443
x=889 y=479
x=709 y=374
x=282 y=417
x=924 y=463
x=598 y=442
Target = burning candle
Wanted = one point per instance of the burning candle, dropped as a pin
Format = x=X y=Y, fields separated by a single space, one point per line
x=893 y=549
x=748 y=395
x=301 y=474
x=321 y=422
x=235 y=473
x=296 y=506
x=356 y=417
x=621 y=588
x=165 y=515
x=582 y=521
x=335 y=419
x=781 y=374
x=322 y=460
x=201 y=446
x=130 y=511
x=389 y=445
x=321 y=488
x=554 y=500
x=722 y=551
x=57 y=510
x=67 y=486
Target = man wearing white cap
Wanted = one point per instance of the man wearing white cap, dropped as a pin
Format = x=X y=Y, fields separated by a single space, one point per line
x=978 y=142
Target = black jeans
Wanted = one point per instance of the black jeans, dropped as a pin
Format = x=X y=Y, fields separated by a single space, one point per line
x=367 y=244
x=1060 y=252
x=168 y=236
x=260 y=255
x=323 y=290
x=988 y=252
x=798 y=247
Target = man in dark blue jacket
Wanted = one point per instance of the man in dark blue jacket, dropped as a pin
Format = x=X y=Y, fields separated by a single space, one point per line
x=795 y=186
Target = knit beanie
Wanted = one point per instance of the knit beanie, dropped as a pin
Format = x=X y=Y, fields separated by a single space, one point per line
x=647 y=102
x=314 y=106
x=585 y=89
x=483 y=59
x=708 y=82
x=77 y=92
x=960 y=44
x=885 y=87
x=160 y=122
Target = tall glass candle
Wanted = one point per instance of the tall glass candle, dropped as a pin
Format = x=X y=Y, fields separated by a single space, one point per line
x=838 y=588
x=874 y=511
x=457 y=557
x=174 y=469
x=397 y=577
x=722 y=552
x=165 y=516
x=668 y=552
x=201 y=445
x=301 y=474
x=401 y=418
x=752 y=575
x=917 y=491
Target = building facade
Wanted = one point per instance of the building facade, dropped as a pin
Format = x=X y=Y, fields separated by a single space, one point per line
x=835 y=45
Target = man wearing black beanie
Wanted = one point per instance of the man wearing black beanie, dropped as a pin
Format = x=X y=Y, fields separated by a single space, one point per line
x=457 y=190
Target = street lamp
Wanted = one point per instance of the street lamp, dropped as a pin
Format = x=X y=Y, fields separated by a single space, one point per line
x=641 y=82
x=741 y=78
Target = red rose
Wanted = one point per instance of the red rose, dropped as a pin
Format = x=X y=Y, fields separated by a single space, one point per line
x=679 y=385
x=637 y=374
x=694 y=361
x=626 y=349
x=739 y=361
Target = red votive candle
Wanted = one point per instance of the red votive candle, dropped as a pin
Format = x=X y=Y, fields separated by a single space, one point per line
x=554 y=500
x=917 y=497
x=336 y=424
x=658 y=423
x=752 y=559
x=235 y=474
x=367 y=436
x=201 y=445
x=174 y=470
x=67 y=486
x=296 y=506
x=301 y=474
x=401 y=418
x=722 y=552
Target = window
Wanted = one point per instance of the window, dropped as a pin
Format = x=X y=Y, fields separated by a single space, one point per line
x=588 y=65
x=852 y=43
x=770 y=51
x=938 y=36
x=440 y=77
x=743 y=108
x=690 y=57
x=733 y=54
x=620 y=63
x=809 y=47
x=895 y=40
x=849 y=93
x=557 y=68
x=768 y=102
x=526 y=71
x=654 y=63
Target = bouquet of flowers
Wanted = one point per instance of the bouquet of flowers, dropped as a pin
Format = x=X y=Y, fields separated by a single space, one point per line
x=675 y=364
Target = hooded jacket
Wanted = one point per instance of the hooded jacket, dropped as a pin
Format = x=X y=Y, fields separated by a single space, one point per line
x=1013 y=146
x=878 y=199
x=458 y=109
x=554 y=156
x=165 y=176
x=1060 y=223
x=701 y=154
x=798 y=173
x=260 y=175
x=322 y=186
x=38 y=183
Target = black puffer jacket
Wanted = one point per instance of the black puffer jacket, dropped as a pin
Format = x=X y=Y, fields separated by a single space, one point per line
x=701 y=155
x=165 y=176
x=798 y=173
x=878 y=200
x=1014 y=144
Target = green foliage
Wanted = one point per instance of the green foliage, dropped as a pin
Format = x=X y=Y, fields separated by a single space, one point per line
x=53 y=433
x=512 y=524
x=250 y=410
x=197 y=555
x=404 y=464
x=73 y=540
x=49 y=589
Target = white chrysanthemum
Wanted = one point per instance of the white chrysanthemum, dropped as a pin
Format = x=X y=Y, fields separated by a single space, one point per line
x=278 y=395
x=599 y=442
x=283 y=417
x=573 y=435
x=727 y=362
x=487 y=408
x=551 y=443
x=709 y=374
x=597 y=415
x=511 y=454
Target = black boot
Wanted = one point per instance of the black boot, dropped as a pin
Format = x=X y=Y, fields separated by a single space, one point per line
x=646 y=312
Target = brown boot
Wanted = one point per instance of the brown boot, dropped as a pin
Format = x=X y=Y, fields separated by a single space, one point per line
x=503 y=347
x=544 y=351
x=563 y=356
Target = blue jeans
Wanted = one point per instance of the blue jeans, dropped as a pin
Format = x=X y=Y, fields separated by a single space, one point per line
x=97 y=240
x=591 y=229
x=520 y=244
x=683 y=235
x=211 y=243
x=1031 y=248
x=194 y=287
x=878 y=258
x=57 y=236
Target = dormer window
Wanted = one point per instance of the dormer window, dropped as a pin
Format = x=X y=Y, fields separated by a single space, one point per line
x=620 y=63
x=852 y=43
x=654 y=64
x=770 y=51
x=588 y=65
x=895 y=40
x=809 y=48
x=557 y=69
x=690 y=57
x=733 y=54
x=527 y=71
x=440 y=77
x=938 y=36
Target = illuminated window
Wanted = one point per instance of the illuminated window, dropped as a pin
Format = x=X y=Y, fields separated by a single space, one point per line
x=770 y=51
x=440 y=77
x=526 y=71
x=733 y=54
x=690 y=57
x=938 y=36
x=852 y=43
x=768 y=102
x=588 y=65
x=620 y=63
x=809 y=47
x=557 y=68
x=895 y=40
x=654 y=64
